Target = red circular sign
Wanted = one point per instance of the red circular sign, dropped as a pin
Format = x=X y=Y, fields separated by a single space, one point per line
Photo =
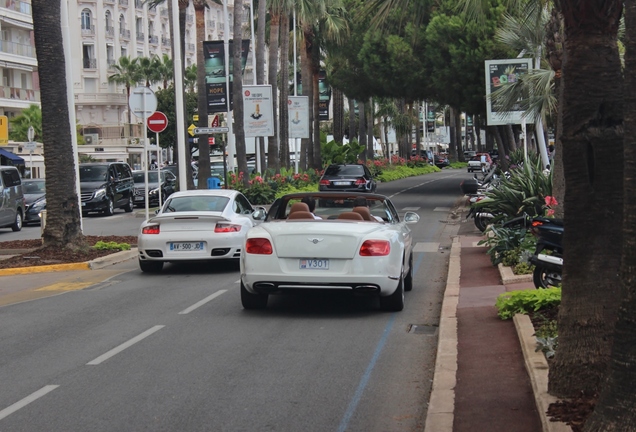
x=157 y=122
x=247 y=93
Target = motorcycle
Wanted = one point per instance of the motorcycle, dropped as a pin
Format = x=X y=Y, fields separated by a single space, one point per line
x=548 y=267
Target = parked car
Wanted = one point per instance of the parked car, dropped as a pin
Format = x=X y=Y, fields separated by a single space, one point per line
x=479 y=162
x=35 y=198
x=12 y=202
x=106 y=186
x=441 y=161
x=196 y=225
x=348 y=178
x=348 y=249
x=468 y=154
x=165 y=181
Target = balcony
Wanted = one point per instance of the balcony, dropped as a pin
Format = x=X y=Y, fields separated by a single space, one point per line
x=123 y=3
x=110 y=32
x=154 y=40
x=17 y=48
x=88 y=31
x=140 y=37
x=124 y=34
x=17 y=5
x=89 y=63
x=101 y=99
x=111 y=63
x=110 y=2
x=18 y=93
x=165 y=41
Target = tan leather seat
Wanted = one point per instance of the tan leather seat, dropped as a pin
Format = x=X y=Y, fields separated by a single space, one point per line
x=299 y=206
x=365 y=213
x=351 y=216
x=300 y=215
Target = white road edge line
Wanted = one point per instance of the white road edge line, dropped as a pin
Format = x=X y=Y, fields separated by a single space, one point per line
x=27 y=400
x=202 y=302
x=102 y=358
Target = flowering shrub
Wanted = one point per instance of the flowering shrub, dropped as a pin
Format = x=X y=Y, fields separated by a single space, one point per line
x=550 y=202
x=259 y=191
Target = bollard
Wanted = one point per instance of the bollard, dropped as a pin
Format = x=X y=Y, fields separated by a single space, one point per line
x=42 y=215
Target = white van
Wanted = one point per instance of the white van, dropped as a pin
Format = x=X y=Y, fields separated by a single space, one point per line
x=12 y=203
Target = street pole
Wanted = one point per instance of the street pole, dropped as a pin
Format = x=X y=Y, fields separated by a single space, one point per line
x=296 y=141
x=184 y=157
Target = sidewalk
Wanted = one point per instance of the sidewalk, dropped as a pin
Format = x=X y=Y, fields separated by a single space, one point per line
x=487 y=375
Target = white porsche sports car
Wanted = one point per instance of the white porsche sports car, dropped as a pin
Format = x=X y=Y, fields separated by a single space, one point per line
x=196 y=225
x=351 y=241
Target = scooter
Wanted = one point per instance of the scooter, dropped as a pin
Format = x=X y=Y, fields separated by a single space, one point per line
x=548 y=268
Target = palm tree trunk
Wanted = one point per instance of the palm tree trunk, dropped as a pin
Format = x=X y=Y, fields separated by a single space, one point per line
x=362 y=128
x=592 y=136
x=202 y=101
x=273 y=153
x=495 y=131
x=63 y=227
x=352 y=118
x=237 y=88
x=316 y=160
x=284 y=90
x=370 y=130
x=338 y=115
x=307 y=155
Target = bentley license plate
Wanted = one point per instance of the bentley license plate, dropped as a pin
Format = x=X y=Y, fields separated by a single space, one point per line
x=186 y=246
x=314 y=264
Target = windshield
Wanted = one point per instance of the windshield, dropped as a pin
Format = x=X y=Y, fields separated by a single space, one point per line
x=33 y=186
x=138 y=177
x=93 y=173
x=196 y=203
x=353 y=170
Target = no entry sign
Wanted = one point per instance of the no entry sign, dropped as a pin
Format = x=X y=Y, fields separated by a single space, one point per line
x=157 y=122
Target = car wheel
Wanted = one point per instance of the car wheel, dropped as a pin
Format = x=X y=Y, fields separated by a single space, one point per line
x=408 y=280
x=129 y=207
x=150 y=266
x=395 y=301
x=17 y=225
x=252 y=301
x=110 y=208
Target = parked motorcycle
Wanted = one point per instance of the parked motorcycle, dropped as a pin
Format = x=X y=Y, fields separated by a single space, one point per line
x=548 y=267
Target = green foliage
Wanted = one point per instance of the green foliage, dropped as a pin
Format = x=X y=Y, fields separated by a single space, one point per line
x=259 y=193
x=102 y=245
x=501 y=241
x=510 y=303
x=310 y=187
x=397 y=172
x=31 y=116
x=458 y=165
x=333 y=152
x=523 y=268
x=166 y=104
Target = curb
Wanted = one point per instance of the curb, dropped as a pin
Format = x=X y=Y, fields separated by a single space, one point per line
x=537 y=368
x=508 y=277
x=441 y=406
x=95 y=264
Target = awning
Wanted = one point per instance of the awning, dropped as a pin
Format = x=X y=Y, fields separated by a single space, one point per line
x=17 y=160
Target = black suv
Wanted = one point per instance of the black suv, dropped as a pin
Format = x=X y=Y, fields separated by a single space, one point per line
x=347 y=178
x=106 y=186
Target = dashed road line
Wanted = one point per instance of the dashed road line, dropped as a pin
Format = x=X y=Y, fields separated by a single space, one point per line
x=102 y=358
x=27 y=400
x=202 y=302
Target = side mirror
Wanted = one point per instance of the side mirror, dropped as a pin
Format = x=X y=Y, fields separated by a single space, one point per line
x=411 y=217
x=259 y=214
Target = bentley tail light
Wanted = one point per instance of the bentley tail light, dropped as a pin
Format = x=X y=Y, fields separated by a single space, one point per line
x=360 y=181
x=258 y=246
x=375 y=248
x=226 y=228
x=151 y=229
x=324 y=182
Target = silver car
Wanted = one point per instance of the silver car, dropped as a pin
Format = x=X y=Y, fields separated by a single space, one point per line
x=12 y=203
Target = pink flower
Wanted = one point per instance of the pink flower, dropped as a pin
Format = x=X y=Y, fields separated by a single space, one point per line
x=550 y=201
x=550 y=213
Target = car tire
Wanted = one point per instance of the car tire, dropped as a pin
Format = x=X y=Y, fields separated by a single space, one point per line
x=408 y=280
x=252 y=301
x=110 y=207
x=395 y=301
x=17 y=224
x=130 y=206
x=150 y=266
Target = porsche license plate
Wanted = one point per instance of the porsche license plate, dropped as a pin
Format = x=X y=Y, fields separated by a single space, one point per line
x=314 y=264
x=186 y=246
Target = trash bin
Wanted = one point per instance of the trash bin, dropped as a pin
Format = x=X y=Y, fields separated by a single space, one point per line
x=468 y=187
x=214 y=183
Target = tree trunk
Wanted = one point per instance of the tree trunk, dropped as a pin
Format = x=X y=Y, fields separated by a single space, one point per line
x=362 y=128
x=202 y=98
x=352 y=118
x=306 y=151
x=338 y=115
x=370 y=130
x=237 y=88
x=63 y=227
x=273 y=152
x=453 y=127
x=316 y=159
x=284 y=90
x=501 y=147
x=592 y=134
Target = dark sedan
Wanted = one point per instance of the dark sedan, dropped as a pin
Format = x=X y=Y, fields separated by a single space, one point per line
x=441 y=161
x=167 y=186
x=35 y=198
x=347 y=178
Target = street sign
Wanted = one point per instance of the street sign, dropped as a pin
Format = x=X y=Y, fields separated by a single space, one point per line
x=215 y=121
x=211 y=140
x=4 y=130
x=30 y=146
x=195 y=118
x=142 y=102
x=191 y=129
x=31 y=133
x=157 y=122
x=201 y=131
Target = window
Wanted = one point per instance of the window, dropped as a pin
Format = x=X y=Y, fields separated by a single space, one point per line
x=108 y=19
x=88 y=56
x=124 y=51
x=86 y=19
x=122 y=23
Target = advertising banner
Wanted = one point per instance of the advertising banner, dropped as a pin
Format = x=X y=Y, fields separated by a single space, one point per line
x=499 y=73
x=257 y=110
x=215 y=84
x=324 y=94
x=298 y=107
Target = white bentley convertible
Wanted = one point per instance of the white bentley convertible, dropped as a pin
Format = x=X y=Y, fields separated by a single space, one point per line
x=351 y=241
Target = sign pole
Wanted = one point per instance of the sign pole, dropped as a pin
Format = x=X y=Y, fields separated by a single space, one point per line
x=158 y=165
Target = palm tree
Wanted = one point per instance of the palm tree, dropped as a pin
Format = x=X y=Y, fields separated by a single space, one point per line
x=63 y=227
x=190 y=78
x=29 y=117
x=147 y=71
x=126 y=73
x=284 y=89
x=165 y=69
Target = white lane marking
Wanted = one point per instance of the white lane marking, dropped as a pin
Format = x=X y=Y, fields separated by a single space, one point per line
x=202 y=302
x=102 y=358
x=238 y=281
x=426 y=247
x=411 y=208
x=442 y=209
x=27 y=400
x=421 y=184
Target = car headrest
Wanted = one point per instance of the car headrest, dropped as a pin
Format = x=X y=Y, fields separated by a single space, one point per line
x=365 y=213
x=351 y=216
x=299 y=206
x=300 y=215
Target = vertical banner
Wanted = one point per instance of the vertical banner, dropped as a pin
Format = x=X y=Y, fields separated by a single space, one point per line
x=214 y=61
x=258 y=119
x=324 y=92
x=498 y=74
x=298 y=107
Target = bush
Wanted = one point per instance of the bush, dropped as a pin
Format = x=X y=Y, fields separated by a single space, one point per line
x=102 y=245
x=510 y=303
x=397 y=172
